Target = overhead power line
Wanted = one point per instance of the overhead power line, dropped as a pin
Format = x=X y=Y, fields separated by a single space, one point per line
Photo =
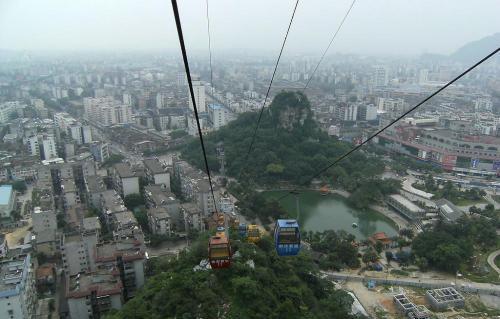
x=270 y=83
x=345 y=155
x=191 y=91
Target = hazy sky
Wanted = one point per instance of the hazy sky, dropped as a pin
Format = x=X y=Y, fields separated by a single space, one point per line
x=374 y=26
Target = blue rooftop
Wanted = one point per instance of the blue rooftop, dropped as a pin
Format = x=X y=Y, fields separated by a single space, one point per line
x=5 y=193
x=287 y=223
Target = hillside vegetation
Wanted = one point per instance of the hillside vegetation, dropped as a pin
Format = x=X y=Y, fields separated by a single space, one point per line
x=289 y=147
x=259 y=284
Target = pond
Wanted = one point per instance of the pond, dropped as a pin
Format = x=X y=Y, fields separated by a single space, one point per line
x=319 y=213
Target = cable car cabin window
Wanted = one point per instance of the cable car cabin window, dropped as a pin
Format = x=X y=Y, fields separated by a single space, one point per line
x=288 y=236
x=219 y=251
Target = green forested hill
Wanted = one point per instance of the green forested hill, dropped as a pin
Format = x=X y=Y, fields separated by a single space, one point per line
x=289 y=147
x=276 y=287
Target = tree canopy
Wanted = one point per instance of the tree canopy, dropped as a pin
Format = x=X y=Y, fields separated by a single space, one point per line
x=289 y=147
x=448 y=246
x=259 y=284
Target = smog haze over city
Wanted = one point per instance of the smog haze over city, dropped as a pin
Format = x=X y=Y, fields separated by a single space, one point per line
x=249 y=159
x=390 y=27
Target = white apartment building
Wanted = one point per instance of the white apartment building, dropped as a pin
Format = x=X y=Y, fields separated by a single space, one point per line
x=380 y=76
x=199 y=96
x=63 y=120
x=483 y=105
x=125 y=180
x=7 y=109
x=18 y=298
x=218 y=115
x=205 y=200
x=107 y=111
x=43 y=145
x=82 y=134
x=92 y=295
x=346 y=112
x=371 y=112
x=156 y=173
x=127 y=99
x=160 y=221
x=391 y=106
x=100 y=151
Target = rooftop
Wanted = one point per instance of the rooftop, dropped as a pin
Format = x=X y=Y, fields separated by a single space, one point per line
x=215 y=106
x=407 y=203
x=129 y=249
x=91 y=223
x=154 y=166
x=5 y=194
x=125 y=218
x=448 y=210
x=68 y=185
x=159 y=212
x=485 y=139
x=12 y=273
x=94 y=184
x=159 y=195
x=102 y=282
x=46 y=236
x=123 y=170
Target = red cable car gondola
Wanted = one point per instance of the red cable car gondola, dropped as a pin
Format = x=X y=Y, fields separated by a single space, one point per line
x=219 y=250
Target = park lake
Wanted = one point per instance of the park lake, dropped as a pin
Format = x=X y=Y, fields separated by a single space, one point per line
x=319 y=213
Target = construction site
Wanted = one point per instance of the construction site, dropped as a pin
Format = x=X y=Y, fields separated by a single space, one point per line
x=397 y=302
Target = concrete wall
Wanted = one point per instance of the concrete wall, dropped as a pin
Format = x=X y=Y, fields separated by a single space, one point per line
x=130 y=185
x=163 y=178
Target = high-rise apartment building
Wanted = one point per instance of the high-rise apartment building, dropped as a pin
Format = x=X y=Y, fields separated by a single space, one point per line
x=218 y=115
x=43 y=145
x=199 y=96
x=7 y=109
x=107 y=111
x=380 y=76
x=18 y=297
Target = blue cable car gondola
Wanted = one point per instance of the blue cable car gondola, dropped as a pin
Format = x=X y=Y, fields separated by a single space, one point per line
x=242 y=230
x=287 y=237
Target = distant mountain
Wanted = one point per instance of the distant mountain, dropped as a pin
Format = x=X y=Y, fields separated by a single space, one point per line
x=475 y=50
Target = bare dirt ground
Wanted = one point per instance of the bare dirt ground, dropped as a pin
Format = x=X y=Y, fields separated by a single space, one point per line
x=15 y=237
x=371 y=299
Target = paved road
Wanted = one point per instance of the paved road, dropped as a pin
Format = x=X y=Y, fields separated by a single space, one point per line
x=491 y=200
x=463 y=285
x=491 y=261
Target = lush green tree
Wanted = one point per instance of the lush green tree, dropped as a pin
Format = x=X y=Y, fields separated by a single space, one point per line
x=422 y=263
x=337 y=247
x=448 y=246
x=408 y=232
x=19 y=186
x=113 y=159
x=290 y=147
x=133 y=201
x=370 y=256
x=274 y=288
x=142 y=218
x=178 y=133
x=389 y=256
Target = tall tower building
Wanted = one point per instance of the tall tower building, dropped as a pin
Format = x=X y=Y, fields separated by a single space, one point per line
x=380 y=76
x=199 y=95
